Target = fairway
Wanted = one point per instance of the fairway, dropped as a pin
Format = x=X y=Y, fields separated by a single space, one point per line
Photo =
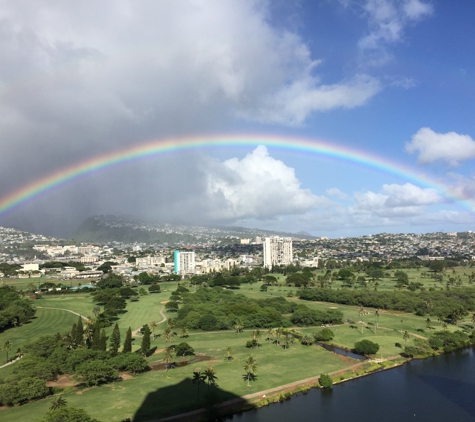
x=176 y=393
x=46 y=322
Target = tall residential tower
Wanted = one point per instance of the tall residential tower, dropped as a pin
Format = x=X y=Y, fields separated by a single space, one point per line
x=184 y=262
x=277 y=251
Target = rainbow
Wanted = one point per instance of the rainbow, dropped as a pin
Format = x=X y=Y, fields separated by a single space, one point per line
x=158 y=147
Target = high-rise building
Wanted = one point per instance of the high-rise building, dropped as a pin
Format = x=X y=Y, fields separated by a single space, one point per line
x=184 y=262
x=277 y=251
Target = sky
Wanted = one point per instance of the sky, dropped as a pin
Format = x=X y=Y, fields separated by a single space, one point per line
x=393 y=79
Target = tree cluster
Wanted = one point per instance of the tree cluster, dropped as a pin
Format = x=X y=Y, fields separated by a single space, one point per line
x=14 y=310
x=448 y=305
x=81 y=352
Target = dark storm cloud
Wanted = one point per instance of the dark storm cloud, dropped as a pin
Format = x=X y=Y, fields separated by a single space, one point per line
x=79 y=79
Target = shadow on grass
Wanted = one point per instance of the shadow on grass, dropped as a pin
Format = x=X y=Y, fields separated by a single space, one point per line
x=211 y=404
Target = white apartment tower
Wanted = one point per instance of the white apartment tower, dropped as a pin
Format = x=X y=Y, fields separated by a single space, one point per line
x=277 y=251
x=184 y=262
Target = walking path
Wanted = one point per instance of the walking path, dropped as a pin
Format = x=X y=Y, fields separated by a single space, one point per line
x=135 y=333
x=62 y=309
x=248 y=397
x=9 y=363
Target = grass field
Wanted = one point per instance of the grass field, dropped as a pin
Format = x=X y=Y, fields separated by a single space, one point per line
x=172 y=391
x=46 y=321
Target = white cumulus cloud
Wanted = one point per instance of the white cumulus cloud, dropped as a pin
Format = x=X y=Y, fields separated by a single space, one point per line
x=395 y=200
x=450 y=147
x=257 y=186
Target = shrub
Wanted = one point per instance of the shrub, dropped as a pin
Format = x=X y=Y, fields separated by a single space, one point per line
x=326 y=334
x=326 y=381
x=366 y=347
x=184 y=349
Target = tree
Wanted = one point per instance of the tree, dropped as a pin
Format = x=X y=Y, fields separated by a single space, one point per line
x=58 y=402
x=154 y=288
x=96 y=338
x=210 y=376
x=256 y=336
x=145 y=348
x=169 y=355
x=406 y=336
x=184 y=349
x=325 y=381
x=184 y=333
x=171 y=306
x=167 y=334
x=96 y=310
x=376 y=314
x=128 y=342
x=362 y=313
x=325 y=334
x=67 y=413
x=238 y=326
x=228 y=356
x=96 y=372
x=197 y=379
x=250 y=369
x=7 y=346
x=115 y=340
x=366 y=347
x=103 y=341
x=79 y=339
x=153 y=325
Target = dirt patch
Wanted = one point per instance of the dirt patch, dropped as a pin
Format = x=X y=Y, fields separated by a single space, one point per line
x=158 y=351
x=125 y=376
x=163 y=366
x=333 y=307
x=63 y=381
x=164 y=301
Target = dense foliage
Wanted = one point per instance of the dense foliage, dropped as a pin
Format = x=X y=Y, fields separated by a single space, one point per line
x=14 y=310
x=217 y=309
x=80 y=352
x=450 y=305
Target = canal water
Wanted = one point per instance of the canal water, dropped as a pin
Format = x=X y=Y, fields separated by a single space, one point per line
x=436 y=389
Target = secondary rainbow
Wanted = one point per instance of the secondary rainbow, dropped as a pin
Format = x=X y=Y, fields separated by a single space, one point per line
x=157 y=147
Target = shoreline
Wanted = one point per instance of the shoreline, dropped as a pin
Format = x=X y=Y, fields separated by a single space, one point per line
x=282 y=392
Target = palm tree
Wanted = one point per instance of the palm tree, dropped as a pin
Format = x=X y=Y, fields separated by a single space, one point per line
x=286 y=340
x=153 y=325
x=197 y=379
x=406 y=336
x=96 y=311
x=428 y=323
x=376 y=314
x=278 y=334
x=228 y=354
x=168 y=335
x=184 y=333
x=7 y=346
x=256 y=336
x=210 y=375
x=270 y=334
x=58 y=402
x=18 y=352
x=169 y=355
x=250 y=368
x=238 y=326
x=362 y=313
